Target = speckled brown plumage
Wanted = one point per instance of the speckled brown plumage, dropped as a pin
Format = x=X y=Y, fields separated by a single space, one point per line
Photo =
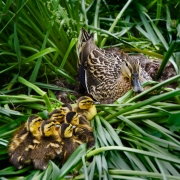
x=107 y=76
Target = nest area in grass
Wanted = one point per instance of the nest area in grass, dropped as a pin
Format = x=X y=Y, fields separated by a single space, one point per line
x=151 y=66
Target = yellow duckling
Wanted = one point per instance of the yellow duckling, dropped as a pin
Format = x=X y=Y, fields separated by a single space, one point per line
x=22 y=143
x=86 y=107
x=50 y=144
x=70 y=142
x=83 y=130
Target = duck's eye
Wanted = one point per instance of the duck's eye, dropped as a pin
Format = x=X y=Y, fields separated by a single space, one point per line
x=126 y=64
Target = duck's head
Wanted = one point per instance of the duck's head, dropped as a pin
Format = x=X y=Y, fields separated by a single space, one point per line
x=33 y=125
x=85 y=102
x=131 y=69
x=50 y=128
x=66 y=130
x=72 y=117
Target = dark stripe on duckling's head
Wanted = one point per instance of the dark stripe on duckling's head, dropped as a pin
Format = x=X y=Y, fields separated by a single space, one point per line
x=48 y=127
x=54 y=112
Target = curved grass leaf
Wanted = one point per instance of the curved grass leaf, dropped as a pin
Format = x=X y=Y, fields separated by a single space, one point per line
x=74 y=159
x=9 y=112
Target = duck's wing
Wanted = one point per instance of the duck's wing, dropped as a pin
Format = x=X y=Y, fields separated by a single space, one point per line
x=108 y=91
x=108 y=64
x=101 y=67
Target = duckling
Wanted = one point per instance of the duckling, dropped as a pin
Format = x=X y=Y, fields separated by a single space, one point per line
x=59 y=114
x=86 y=107
x=107 y=76
x=70 y=143
x=19 y=156
x=50 y=144
x=83 y=131
x=17 y=138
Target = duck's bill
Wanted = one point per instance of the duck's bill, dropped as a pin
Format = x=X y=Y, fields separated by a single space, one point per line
x=136 y=84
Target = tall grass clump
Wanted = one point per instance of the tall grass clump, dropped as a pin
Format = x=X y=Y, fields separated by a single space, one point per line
x=137 y=137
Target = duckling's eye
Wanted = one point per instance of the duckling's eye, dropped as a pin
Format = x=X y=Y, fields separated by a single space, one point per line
x=39 y=120
x=83 y=102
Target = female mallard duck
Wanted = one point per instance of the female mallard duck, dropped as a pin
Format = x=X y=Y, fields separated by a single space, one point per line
x=50 y=144
x=24 y=142
x=83 y=130
x=70 y=142
x=86 y=107
x=59 y=114
x=107 y=76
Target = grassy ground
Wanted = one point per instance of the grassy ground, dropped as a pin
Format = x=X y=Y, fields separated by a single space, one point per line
x=136 y=137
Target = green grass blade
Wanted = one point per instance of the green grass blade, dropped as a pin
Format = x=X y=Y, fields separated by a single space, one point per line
x=116 y=20
x=74 y=159
x=146 y=102
x=151 y=154
x=158 y=12
x=38 y=90
x=158 y=86
x=35 y=71
x=72 y=43
x=166 y=59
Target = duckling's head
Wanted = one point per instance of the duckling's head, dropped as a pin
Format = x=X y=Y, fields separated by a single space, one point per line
x=66 y=130
x=50 y=128
x=131 y=69
x=65 y=108
x=57 y=115
x=33 y=125
x=85 y=102
x=72 y=117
